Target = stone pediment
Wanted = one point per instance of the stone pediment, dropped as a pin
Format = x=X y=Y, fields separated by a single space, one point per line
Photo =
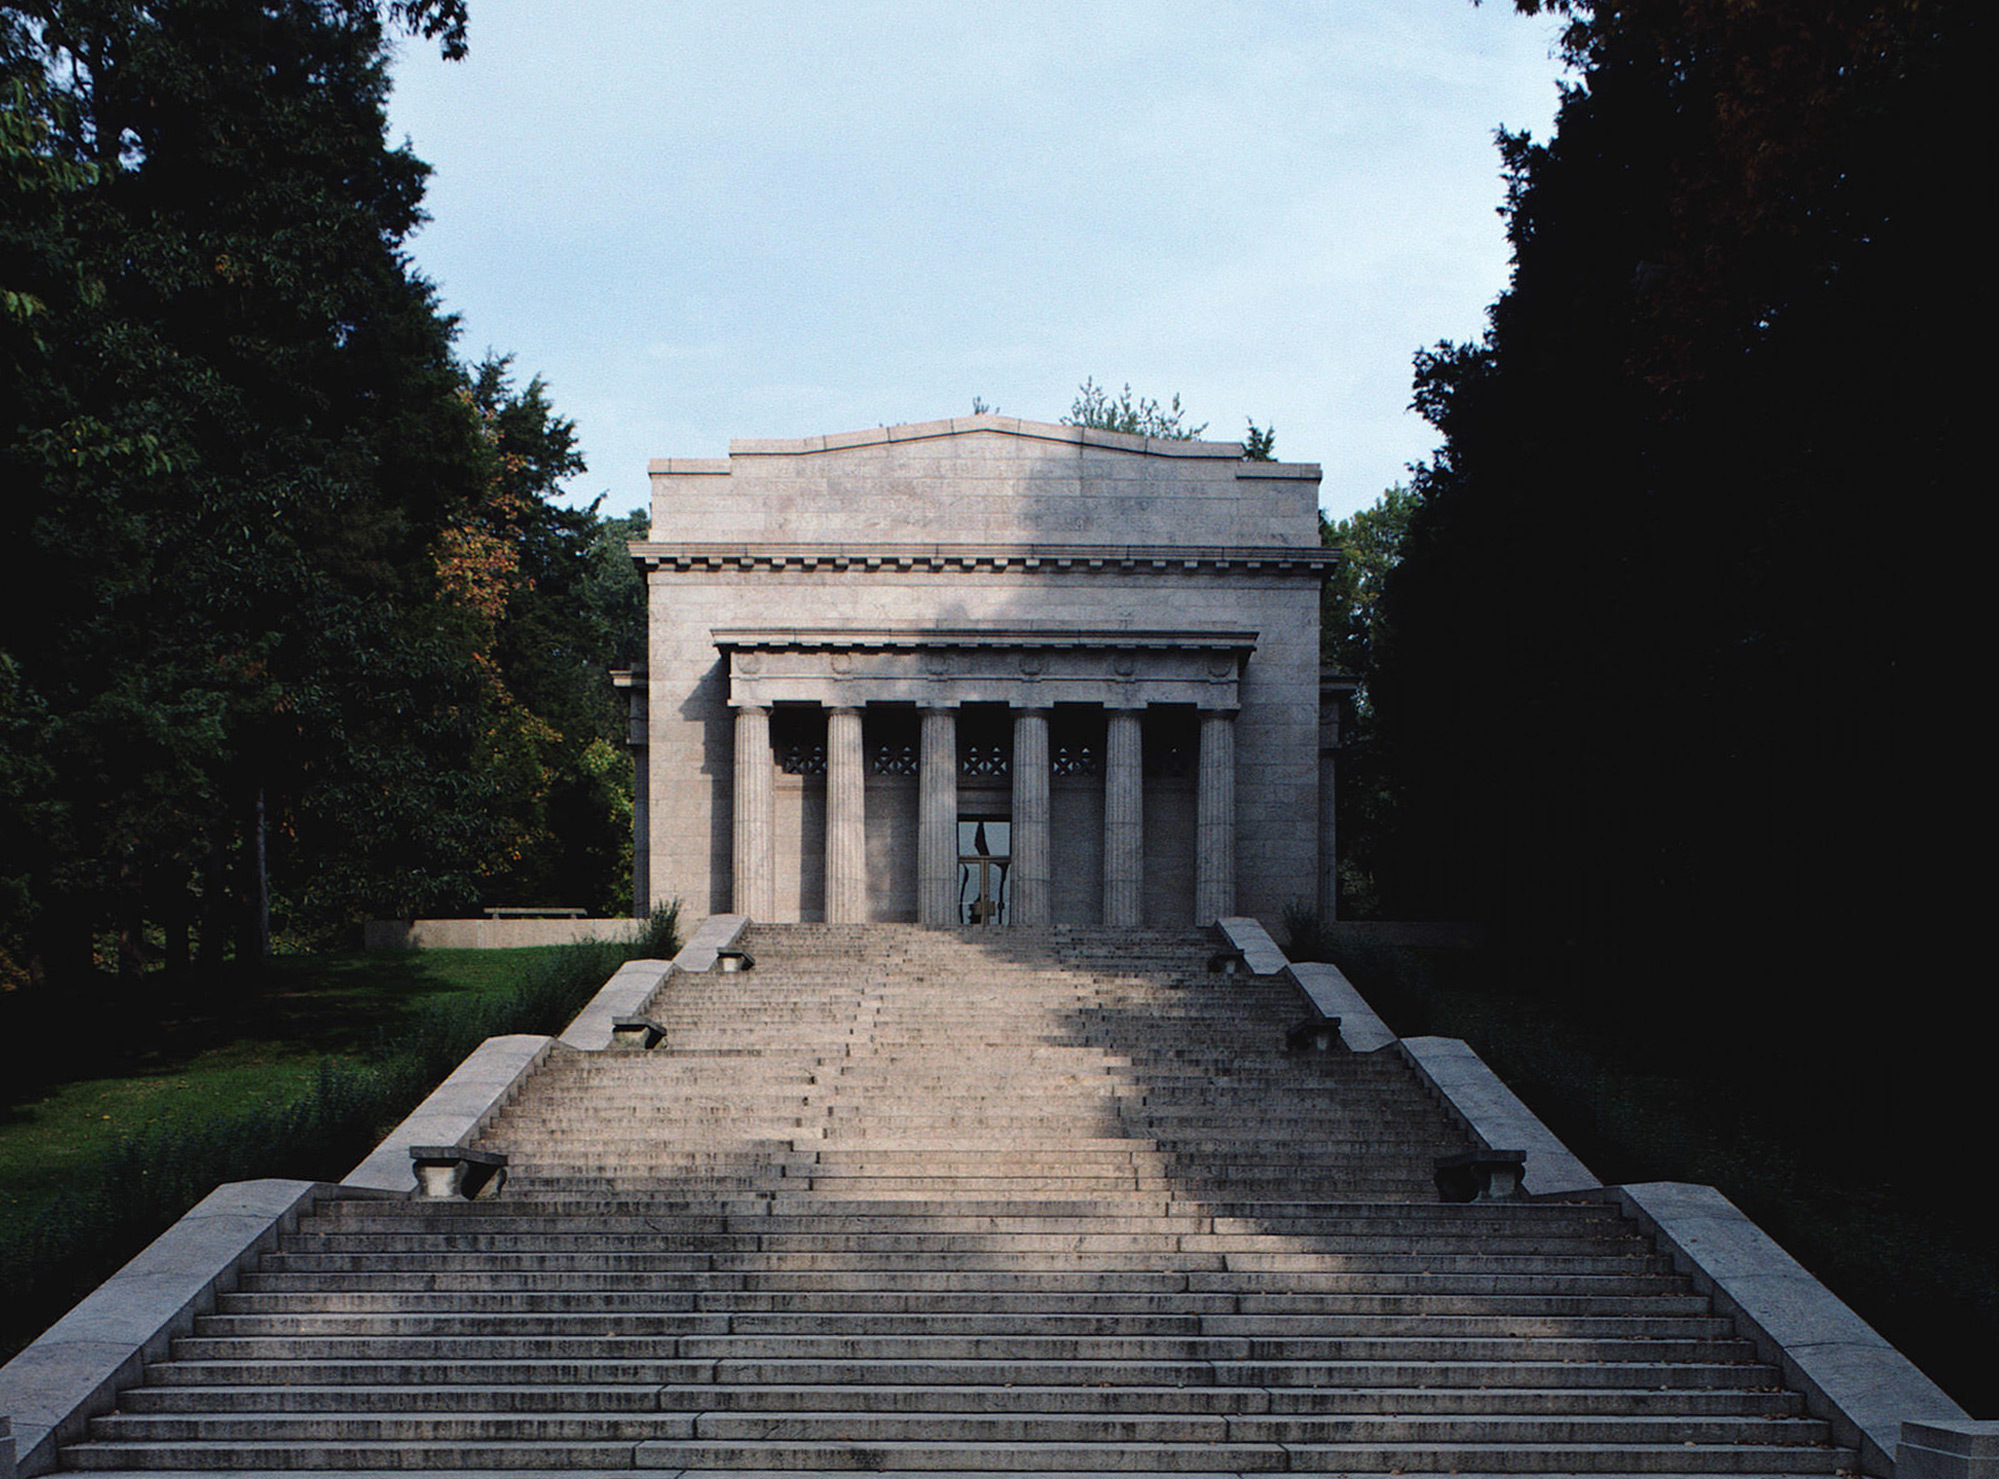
x=994 y=487
x=984 y=427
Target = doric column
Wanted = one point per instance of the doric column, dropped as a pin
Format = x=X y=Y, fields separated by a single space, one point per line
x=937 y=820
x=1214 y=820
x=754 y=824
x=1030 y=817
x=846 y=839
x=1124 y=821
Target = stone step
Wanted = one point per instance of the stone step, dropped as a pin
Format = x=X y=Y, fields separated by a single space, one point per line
x=783 y=1215
x=503 y=1322
x=639 y=1263
x=549 y=1397
x=555 y=1454
x=1235 y=1458
x=418 y=1375
x=1358 y=1400
x=970 y=1346
x=1435 y=1223
x=895 y=1245
x=1527 y=1285
x=483 y=1298
x=1233 y=1429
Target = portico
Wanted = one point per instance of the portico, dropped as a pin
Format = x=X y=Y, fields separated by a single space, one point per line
x=1017 y=679
x=851 y=716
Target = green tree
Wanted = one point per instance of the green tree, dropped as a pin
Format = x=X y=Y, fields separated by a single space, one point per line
x=1136 y=416
x=1352 y=637
x=237 y=447
x=1351 y=618
x=614 y=588
x=1142 y=416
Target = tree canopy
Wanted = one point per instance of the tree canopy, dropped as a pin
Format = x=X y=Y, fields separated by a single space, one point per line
x=1659 y=695
x=283 y=600
x=1136 y=415
x=1142 y=416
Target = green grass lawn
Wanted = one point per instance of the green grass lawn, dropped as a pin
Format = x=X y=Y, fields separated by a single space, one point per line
x=123 y=1108
x=187 y=1055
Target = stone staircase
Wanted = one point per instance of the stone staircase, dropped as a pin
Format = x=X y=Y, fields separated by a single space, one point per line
x=1042 y=1202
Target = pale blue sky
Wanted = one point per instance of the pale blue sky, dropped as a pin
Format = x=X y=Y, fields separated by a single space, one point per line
x=703 y=221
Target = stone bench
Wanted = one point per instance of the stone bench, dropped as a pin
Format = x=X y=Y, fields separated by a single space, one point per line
x=1481 y=1175
x=458 y=1172
x=553 y=911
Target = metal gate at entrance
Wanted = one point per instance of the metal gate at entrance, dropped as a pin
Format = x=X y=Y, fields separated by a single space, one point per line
x=985 y=857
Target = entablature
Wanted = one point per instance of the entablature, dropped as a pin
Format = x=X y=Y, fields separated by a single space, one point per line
x=1024 y=667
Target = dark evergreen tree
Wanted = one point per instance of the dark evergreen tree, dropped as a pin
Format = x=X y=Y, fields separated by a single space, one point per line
x=1352 y=636
x=246 y=635
x=1660 y=693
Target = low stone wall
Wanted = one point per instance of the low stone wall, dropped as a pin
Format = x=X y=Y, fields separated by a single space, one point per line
x=490 y=934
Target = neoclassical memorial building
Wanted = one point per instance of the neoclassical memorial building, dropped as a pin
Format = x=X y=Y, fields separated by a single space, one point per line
x=982 y=671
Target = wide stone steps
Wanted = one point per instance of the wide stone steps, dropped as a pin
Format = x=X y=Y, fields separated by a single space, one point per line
x=485 y=1299
x=1250 y=1377
x=646 y=1398
x=1245 y=1288
x=1515 y=1454
x=896 y=1201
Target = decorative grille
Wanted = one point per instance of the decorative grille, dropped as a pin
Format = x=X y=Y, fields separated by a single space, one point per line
x=894 y=758
x=802 y=757
x=1077 y=759
x=984 y=760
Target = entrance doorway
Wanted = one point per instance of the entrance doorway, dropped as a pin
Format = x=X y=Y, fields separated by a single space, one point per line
x=985 y=856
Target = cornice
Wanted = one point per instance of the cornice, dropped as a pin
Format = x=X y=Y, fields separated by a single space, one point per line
x=1014 y=558
x=1017 y=638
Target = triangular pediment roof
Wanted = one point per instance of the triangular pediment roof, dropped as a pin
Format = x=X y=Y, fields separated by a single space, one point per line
x=986 y=424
